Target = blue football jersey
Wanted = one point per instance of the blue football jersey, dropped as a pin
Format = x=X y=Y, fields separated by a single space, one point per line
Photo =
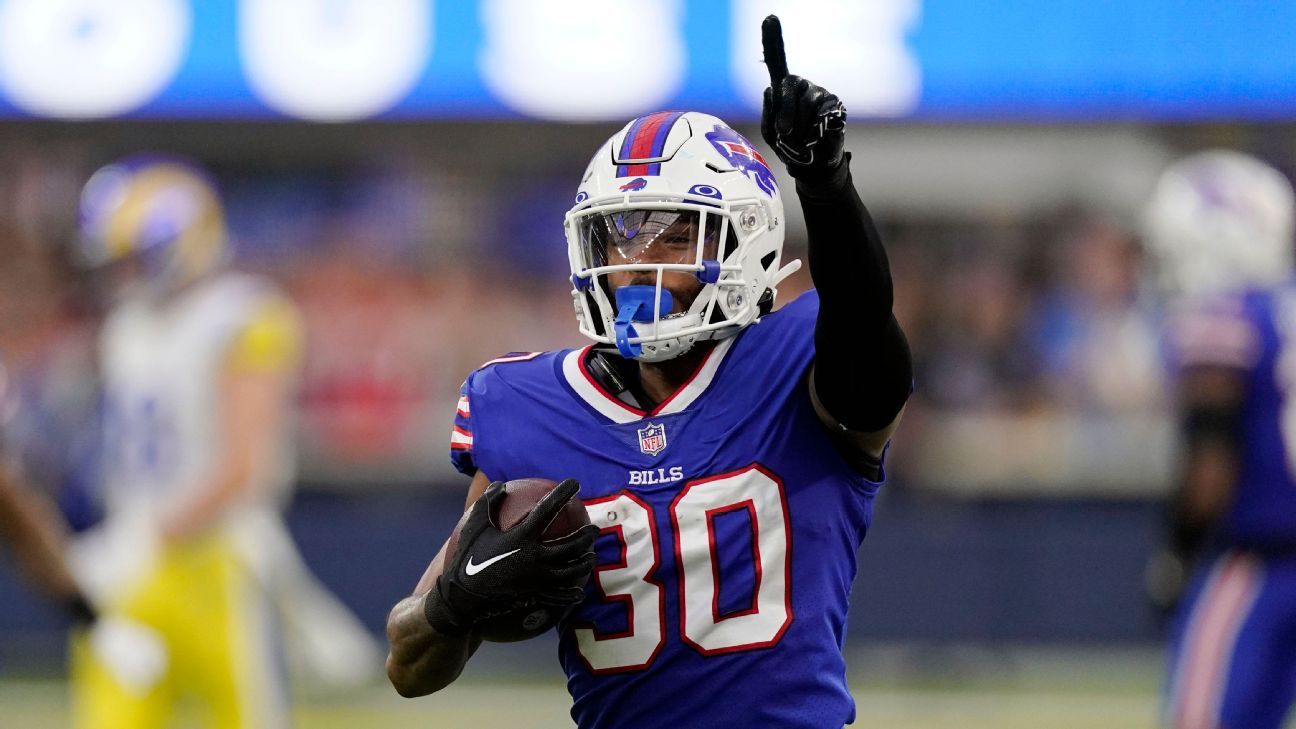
x=729 y=526
x=1254 y=332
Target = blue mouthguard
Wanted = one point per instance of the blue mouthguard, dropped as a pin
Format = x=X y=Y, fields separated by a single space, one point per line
x=635 y=303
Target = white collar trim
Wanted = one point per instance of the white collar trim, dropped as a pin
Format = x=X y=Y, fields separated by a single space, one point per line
x=619 y=412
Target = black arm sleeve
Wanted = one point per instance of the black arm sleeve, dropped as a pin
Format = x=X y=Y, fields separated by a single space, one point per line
x=1214 y=424
x=863 y=373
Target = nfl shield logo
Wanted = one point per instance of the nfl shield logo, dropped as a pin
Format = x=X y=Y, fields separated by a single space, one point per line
x=652 y=439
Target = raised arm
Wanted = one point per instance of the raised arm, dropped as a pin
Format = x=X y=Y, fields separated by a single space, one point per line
x=862 y=374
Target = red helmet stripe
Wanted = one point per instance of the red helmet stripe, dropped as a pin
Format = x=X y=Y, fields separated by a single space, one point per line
x=646 y=139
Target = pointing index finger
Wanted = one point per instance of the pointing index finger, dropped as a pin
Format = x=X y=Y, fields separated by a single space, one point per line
x=775 y=57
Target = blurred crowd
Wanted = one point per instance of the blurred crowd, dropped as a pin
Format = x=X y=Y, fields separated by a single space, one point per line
x=1035 y=337
x=1038 y=363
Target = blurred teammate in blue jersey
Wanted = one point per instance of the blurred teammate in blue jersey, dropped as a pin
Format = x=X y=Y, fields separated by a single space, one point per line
x=727 y=454
x=1220 y=227
x=30 y=525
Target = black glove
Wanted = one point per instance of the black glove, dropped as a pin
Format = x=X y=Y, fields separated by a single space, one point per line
x=493 y=572
x=80 y=610
x=803 y=123
x=1166 y=574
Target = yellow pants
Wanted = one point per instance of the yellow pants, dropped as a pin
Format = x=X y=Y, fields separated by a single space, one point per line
x=221 y=655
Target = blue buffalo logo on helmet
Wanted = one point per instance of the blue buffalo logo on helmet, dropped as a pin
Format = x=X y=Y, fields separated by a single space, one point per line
x=735 y=148
x=637 y=183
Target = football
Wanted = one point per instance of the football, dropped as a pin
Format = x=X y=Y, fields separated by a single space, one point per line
x=520 y=496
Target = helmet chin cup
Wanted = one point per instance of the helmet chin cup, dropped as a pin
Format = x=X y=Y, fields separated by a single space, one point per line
x=635 y=304
x=669 y=347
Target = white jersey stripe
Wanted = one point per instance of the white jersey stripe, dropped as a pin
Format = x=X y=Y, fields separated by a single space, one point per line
x=519 y=357
x=620 y=412
x=460 y=437
x=1186 y=660
x=1201 y=675
x=613 y=410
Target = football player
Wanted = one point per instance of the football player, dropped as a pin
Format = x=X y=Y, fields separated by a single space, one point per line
x=728 y=454
x=198 y=366
x=1220 y=226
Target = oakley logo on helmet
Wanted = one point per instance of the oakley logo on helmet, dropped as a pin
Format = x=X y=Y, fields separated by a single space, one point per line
x=705 y=191
x=735 y=148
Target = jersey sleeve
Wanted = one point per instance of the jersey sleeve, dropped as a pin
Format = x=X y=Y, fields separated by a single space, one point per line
x=1218 y=333
x=271 y=341
x=481 y=398
x=461 y=435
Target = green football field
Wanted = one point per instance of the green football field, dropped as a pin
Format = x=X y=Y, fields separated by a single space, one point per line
x=39 y=704
x=897 y=689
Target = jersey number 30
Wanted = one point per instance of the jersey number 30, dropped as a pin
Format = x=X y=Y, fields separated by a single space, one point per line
x=632 y=582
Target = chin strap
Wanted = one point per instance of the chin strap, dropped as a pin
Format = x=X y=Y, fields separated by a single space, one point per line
x=635 y=303
x=788 y=269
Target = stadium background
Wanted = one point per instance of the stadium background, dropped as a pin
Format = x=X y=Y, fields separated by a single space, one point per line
x=1005 y=152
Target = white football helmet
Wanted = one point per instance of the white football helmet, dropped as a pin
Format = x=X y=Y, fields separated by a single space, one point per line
x=1220 y=220
x=674 y=191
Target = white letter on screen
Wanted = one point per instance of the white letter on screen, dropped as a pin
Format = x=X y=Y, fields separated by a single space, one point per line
x=83 y=59
x=586 y=60
x=334 y=60
x=861 y=55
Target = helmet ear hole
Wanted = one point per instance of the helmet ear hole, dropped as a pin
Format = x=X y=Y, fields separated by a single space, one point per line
x=768 y=260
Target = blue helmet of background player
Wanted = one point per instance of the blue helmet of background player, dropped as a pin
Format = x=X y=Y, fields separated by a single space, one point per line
x=161 y=215
x=1220 y=220
x=676 y=236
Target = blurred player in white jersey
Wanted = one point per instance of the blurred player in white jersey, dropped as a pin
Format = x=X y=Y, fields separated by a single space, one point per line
x=199 y=367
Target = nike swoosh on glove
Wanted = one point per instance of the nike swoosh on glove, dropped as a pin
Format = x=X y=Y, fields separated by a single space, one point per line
x=512 y=567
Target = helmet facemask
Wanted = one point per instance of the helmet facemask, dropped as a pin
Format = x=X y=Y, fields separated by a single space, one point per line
x=655 y=276
x=676 y=236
